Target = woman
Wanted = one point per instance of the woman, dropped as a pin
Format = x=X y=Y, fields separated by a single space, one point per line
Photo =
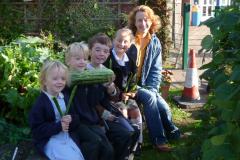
x=144 y=24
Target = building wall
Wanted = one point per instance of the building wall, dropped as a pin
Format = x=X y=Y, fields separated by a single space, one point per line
x=177 y=24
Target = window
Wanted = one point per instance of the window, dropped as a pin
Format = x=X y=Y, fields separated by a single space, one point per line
x=209 y=10
x=204 y=11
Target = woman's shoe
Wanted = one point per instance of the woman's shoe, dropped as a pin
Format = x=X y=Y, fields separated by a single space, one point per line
x=163 y=148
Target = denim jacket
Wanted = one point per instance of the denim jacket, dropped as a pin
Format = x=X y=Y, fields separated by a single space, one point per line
x=152 y=66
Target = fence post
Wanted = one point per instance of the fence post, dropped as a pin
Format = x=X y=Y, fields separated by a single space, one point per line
x=185 y=34
x=217 y=8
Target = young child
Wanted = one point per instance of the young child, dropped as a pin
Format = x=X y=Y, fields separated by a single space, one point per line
x=99 y=46
x=122 y=58
x=52 y=134
x=122 y=61
x=94 y=142
x=76 y=56
x=120 y=132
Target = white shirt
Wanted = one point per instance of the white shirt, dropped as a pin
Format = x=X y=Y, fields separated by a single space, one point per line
x=122 y=61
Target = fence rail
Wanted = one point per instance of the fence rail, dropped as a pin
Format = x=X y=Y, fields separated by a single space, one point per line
x=33 y=15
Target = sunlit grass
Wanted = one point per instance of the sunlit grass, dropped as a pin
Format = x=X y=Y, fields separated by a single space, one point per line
x=187 y=122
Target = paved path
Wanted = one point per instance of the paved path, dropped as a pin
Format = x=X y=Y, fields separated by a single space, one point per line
x=196 y=34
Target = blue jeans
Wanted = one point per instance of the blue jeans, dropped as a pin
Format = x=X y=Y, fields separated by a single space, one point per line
x=158 y=117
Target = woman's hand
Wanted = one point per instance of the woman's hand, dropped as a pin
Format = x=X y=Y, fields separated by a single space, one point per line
x=127 y=95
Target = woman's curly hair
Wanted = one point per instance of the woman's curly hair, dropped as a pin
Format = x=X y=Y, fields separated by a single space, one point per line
x=151 y=15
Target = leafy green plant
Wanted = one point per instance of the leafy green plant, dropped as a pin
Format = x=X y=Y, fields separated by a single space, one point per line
x=80 y=21
x=223 y=75
x=67 y=21
x=89 y=18
x=12 y=134
x=20 y=64
x=10 y=21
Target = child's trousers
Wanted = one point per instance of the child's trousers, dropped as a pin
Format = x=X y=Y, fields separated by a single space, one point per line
x=94 y=143
x=122 y=138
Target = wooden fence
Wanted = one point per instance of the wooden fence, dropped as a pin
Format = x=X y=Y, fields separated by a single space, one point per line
x=32 y=11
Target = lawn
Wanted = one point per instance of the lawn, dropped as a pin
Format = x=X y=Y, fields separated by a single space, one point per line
x=190 y=122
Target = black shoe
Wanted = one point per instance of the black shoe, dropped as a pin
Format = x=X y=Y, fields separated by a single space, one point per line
x=138 y=151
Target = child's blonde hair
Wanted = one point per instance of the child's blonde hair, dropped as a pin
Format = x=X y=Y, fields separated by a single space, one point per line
x=47 y=67
x=76 y=48
x=127 y=31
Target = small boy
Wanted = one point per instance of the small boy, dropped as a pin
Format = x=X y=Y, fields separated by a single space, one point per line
x=119 y=132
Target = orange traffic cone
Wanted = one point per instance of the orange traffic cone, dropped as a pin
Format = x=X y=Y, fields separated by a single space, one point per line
x=190 y=92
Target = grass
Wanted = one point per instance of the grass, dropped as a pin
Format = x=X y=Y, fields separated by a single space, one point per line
x=184 y=149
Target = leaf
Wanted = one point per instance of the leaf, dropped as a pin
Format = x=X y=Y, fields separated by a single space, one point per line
x=12 y=97
x=207 y=42
x=207 y=74
x=230 y=20
x=235 y=74
x=227 y=114
x=213 y=24
x=26 y=131
x=235 y=139
x=1 y=129
x=218 y=140
x=223 y=103
x=236 y=113
x=226 y=91
x=95 y=6
x=71 y=99
x=218 y=59
x=219 y=78
x=5 y=57
x=234 y=93
x=218 y=152
x=208 y=65
x=216 y=130
x=58 y=106
x=30 y=40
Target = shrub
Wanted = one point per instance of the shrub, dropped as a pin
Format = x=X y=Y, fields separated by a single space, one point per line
x=80 y=21
x=10 y=21
x=19 y=71
x=223 y=76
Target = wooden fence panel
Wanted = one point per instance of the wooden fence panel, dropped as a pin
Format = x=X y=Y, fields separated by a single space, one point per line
x=34 y=17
